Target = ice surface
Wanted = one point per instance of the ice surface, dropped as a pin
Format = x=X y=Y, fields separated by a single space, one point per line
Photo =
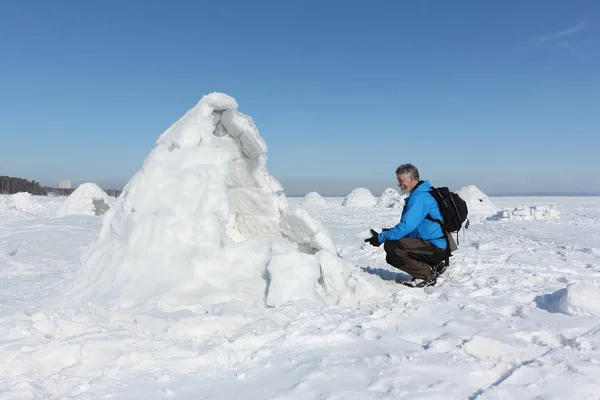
x=390 y=198
x=177 y=234
x=478 y=203
x=359 y=197
x=527 y=213
x=312 y=198
x=87 y=199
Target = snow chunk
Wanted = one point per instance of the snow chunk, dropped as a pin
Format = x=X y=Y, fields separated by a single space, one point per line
x=390 y=198
x=578 y=299
x=87 y=199
x=359 y=197
x=203 y=222
x=478 y=203
x=527 y=213
x=313 y=198
x=293 y=276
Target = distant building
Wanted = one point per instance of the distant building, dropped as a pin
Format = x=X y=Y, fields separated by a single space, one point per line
x=64 y=184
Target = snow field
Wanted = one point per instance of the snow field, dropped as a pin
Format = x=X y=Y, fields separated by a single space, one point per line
x=513 y=317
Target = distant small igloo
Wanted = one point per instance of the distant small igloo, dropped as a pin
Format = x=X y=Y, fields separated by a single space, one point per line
x=22 y=202
x=87 y=199
x=477 y=201
x=359 y=197
x=390 y=198
x=313 y=199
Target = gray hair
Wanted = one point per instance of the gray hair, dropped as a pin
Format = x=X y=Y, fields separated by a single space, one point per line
x=408 y=170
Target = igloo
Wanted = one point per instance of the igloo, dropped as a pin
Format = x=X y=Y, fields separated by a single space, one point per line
x=313 y=198
x=390 y=198
x=87 y=199
x=203 y=222
x=359 y=197
x=478 y=203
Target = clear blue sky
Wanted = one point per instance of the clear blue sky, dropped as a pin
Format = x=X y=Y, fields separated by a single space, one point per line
x=504 y=94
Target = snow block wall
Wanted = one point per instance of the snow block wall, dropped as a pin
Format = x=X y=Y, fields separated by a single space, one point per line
x=203 y=222
x=478 y=203
x=390 y=198
x=313 y=199
x=359 y=197
x=87 y=199
x=527 y=213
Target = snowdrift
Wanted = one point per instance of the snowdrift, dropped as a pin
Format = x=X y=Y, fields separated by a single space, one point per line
x=359 y=197
x=21 y=203
x=313 y=199
x=478 y=203
x=527 y=213
x=87 y=199
x=203 y=222
x=390 y=198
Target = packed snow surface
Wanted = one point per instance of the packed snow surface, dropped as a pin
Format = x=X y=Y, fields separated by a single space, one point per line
x=478 y=203
x=312 y=198
x=87 y=199
x=515 y=316
x=360 y=197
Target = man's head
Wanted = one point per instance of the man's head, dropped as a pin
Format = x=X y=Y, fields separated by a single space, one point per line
x=408 y=177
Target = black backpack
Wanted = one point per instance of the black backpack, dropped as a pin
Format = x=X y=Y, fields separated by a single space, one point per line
x=453 y=209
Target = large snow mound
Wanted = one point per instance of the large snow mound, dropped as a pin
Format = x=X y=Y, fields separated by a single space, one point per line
x=527 y=213
x=359 y=197
x=478 y=203
x=203 y=222
x=390 y=198
x=20 y=203
x=87 y=199
x=313 y=198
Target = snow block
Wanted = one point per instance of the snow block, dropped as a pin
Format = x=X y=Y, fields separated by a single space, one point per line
x=527 y=213
x=578 y=299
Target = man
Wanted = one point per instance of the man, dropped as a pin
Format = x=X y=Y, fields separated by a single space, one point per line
x=416 y=245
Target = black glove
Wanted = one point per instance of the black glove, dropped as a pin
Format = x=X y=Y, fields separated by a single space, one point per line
x=373 y=239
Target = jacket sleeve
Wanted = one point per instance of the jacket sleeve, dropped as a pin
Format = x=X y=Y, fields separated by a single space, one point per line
x=415 y=213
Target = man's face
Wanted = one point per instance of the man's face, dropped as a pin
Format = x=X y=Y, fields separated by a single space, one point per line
x=405 y=183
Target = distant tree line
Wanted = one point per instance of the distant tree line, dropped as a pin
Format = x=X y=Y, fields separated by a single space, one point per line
x=11 y=185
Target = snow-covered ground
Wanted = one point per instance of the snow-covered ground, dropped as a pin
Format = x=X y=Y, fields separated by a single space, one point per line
x=516 y=316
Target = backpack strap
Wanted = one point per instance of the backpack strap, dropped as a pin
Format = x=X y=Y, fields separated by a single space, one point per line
x=445 y=237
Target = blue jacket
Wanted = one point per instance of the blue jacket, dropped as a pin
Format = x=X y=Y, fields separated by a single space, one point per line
x=413 y=223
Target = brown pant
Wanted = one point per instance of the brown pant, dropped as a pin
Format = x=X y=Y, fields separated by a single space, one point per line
x=413 y=256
